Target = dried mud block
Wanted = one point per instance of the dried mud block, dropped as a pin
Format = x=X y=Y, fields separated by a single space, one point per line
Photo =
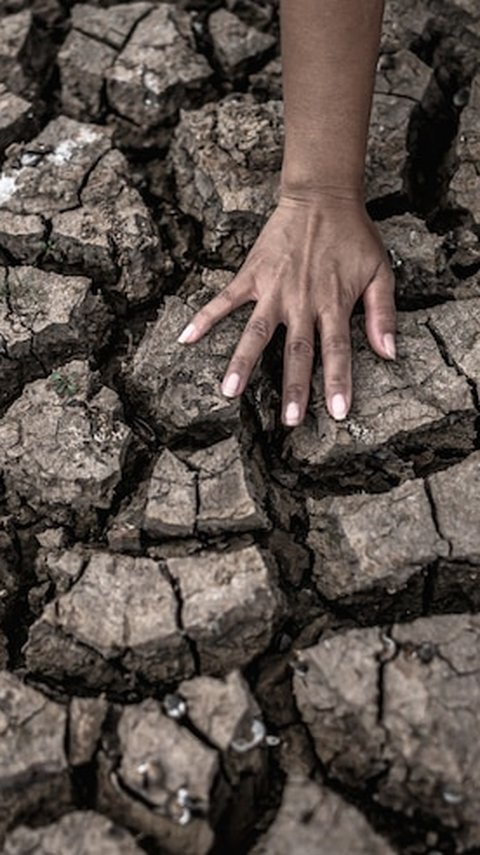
x=267 y=83
x=256 y=13
x=456 y=497
x=404 y=21
x=223 y=711
x=216 y=490
x=178 y=387
x=171 y=502
x=24 y=237
x=226 y=714
x=225 y=179
x=458 y=332
x=112 y=235
x=46 y=319
x=464 y=189
x=161 y=783
x=373 y=545
x=86 y=716
x=314 y=820
x=401 y=83
x=9 y=568
x=158 y=69
x=76 y=832
x=14 y=32
x=235 y=44
x=16 y=117
x=419 y=731
x=116 y=624
x=418 y=260
x=46 y=175
x=230 y=489
x=396 y=406
x=230 y=605
x=99 y=226
x=89 y=50
x=33 y=765
x=63 y=444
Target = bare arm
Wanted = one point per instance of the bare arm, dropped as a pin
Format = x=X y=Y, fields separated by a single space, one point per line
x=319 y=252
x=329 y=50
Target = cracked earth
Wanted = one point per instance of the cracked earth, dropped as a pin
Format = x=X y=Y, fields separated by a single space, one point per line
x=218 y=634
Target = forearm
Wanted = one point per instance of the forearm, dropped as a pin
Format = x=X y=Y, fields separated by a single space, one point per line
x=329 y=55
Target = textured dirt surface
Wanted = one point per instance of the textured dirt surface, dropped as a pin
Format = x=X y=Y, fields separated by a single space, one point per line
x=218 y=634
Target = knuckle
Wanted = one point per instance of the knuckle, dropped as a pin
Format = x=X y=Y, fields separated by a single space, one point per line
x=300 y=348
x=336 y=343
x=259 y=327
x=226 y=296
x=294 y=391
x=239 y=363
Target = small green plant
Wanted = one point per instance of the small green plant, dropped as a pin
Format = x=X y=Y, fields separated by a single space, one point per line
x=63 y=385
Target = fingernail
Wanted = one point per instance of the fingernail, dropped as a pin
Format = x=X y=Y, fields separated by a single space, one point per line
x=231 y=385
x=339 y=407
x=186 y=334
x=389 y=345
x=292 y=414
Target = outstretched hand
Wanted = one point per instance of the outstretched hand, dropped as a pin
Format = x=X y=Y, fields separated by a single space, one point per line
x=311 y=262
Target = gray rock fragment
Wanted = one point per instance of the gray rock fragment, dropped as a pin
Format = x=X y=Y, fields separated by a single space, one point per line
x=116 y=624
x=234 y=43
x=157 y=70
x=375 y=543
x=465 y=184
x=314 y=820
x=34 y=769
x=76 y=832
x=230 y=605
x=23 y=236
x=226 y=181
x=419 y=731
x=401 y=83
x=62 y=445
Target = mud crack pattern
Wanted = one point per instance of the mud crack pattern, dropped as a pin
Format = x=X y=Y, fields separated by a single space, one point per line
x=217 y=634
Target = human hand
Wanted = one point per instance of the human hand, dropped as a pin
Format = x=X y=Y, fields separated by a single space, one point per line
x=311 y=262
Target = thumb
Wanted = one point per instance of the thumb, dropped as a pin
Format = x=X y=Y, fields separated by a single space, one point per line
x=380 y=312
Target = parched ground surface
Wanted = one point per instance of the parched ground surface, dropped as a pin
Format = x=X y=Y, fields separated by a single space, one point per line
x=218 y=634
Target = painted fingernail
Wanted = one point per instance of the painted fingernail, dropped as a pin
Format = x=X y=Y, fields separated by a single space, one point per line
x=230 y=385
x=339 y=407
x=389 y=345
x=186 y=334
x=292 y=414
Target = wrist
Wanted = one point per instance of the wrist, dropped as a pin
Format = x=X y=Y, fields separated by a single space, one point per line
x=325 y=195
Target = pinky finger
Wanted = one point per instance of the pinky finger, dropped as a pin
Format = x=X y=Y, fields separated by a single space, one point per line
x=231 y=297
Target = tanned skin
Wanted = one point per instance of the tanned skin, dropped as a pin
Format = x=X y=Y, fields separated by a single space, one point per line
x=319 y=251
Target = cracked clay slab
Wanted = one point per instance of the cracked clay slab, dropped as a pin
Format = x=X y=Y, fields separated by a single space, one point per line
x=417 y=723
x=116 y=623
